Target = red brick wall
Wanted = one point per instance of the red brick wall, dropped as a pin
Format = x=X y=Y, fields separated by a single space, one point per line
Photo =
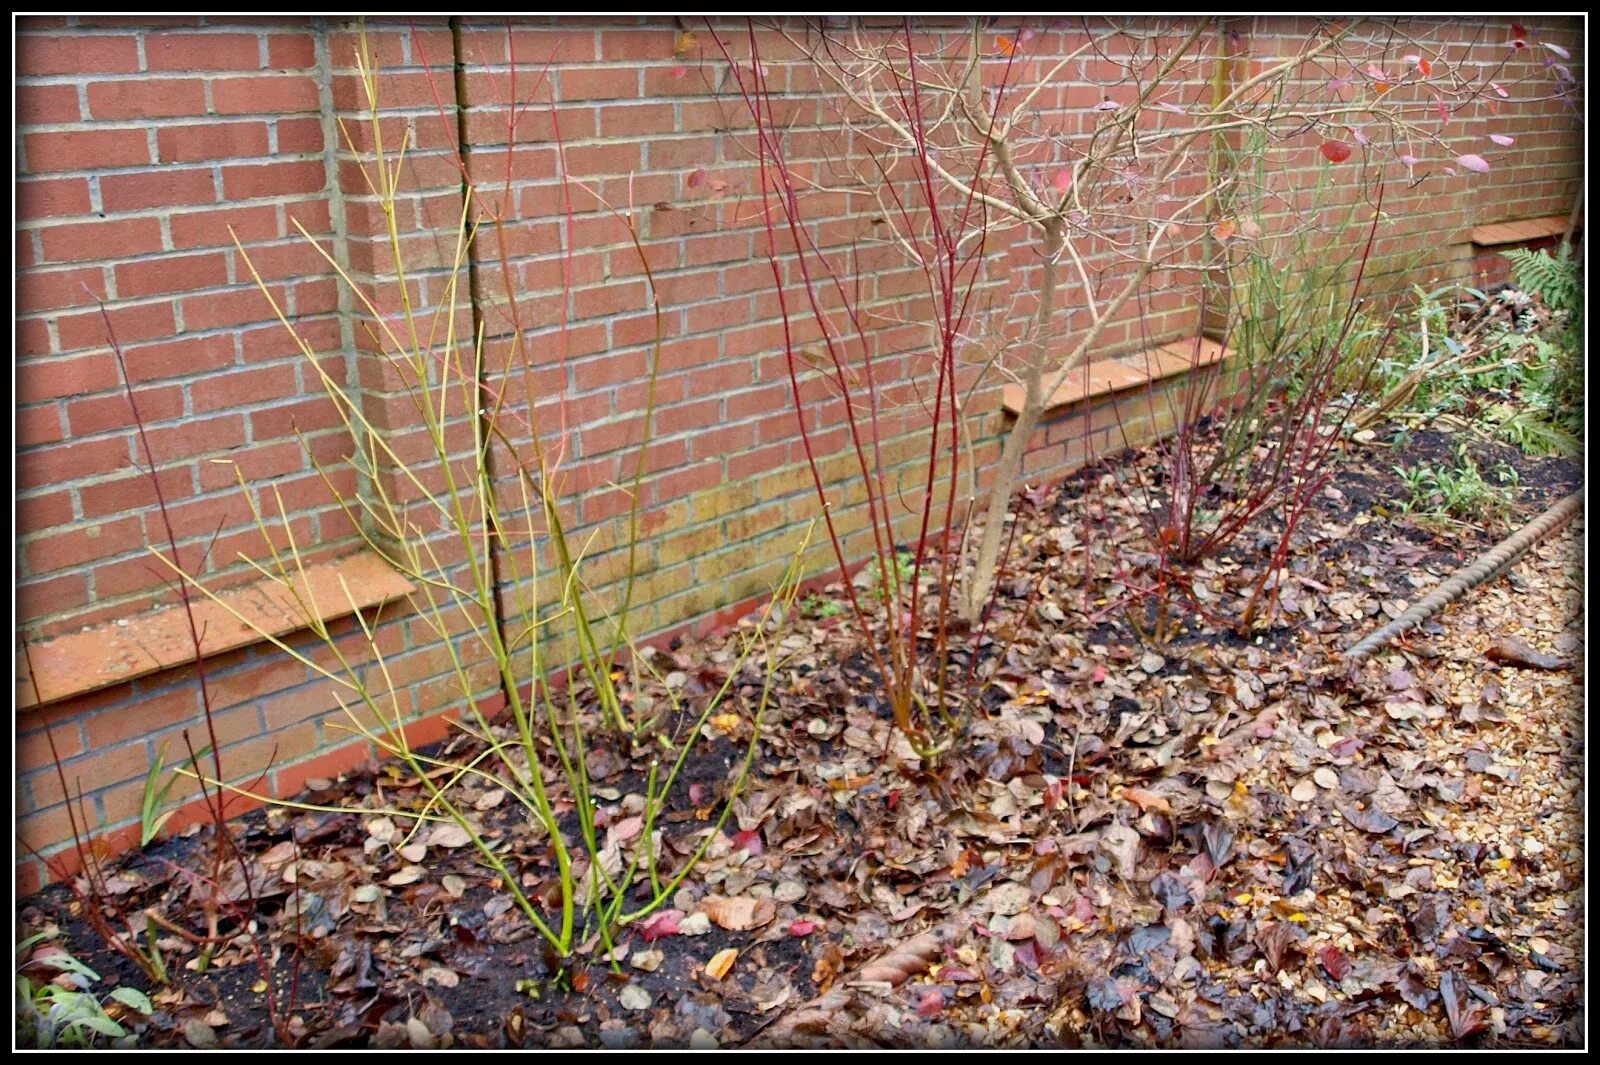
x=140 y=141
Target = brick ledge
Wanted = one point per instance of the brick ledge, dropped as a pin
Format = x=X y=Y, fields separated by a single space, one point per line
x=1104 y=377
x=1516 y=232
x=129 y=648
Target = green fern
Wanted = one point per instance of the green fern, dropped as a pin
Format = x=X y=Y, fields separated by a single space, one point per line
x=1531 y=431
x=1555 y=279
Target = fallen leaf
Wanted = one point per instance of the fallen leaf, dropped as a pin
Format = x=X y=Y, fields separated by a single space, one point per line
x=1466 y=1016
x=408 y=875
x=1511 y=652
x=439 y=976
x=1334 y=962
x=199 y=1034
x=1121 y=844
x=663 y=924
x=904 y=961
x=1370 y=819
x=1147 y=800
x=449 y=836
x=419 y=1034
x=720 y=963
x=738 y=914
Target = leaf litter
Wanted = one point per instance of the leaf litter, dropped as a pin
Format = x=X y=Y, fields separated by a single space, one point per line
x=1212 y=843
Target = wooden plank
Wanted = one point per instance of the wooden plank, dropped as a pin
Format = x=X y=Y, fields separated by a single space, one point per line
x=1107 y=376
x=1519 y=231
x=128 y=648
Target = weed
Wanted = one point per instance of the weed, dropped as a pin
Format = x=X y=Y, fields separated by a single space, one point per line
x=1458 y=491
x=904 y=569
x=820 y=606
x=151 y=815
x=55 y=1006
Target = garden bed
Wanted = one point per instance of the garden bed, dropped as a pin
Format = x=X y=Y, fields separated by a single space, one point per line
x=1218 y=841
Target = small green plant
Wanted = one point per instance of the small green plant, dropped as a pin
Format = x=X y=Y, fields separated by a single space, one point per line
x=1419 y=483
x=151 y=814
x=59 y=1009
x=905 y=566
x=1458 y=491
x=820 y=606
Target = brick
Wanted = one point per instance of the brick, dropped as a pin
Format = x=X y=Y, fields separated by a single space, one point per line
x=295 y=259
x=240 y=306
x=38 y=425
x=52 y=197
x=102 y=240
x=195 y=436
x=96 y=769
x=183 y=52
x=73 y=547
x=299 y=135
x=291 y=51
x=211 y=140
x=273 y=179
x=639 y=44
x=143 y=100
x=39 y=105
x=599 y=82
x=75 y=54
x=166 y=187
x=243 y=387
x=43 y=512
x=171 y=273
x=291 y=779
x=53 y=595
x=209 y=228
x=85 y=149
x=135 y=492
x=267 y=95
x=143 y=714
x=130 y=324
x=48 y=290
x=33 y=338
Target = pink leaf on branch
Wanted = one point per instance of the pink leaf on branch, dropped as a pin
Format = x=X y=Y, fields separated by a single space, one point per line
x=1475 y=163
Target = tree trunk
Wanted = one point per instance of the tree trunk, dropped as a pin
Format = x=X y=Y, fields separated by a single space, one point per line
x=981 y=577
